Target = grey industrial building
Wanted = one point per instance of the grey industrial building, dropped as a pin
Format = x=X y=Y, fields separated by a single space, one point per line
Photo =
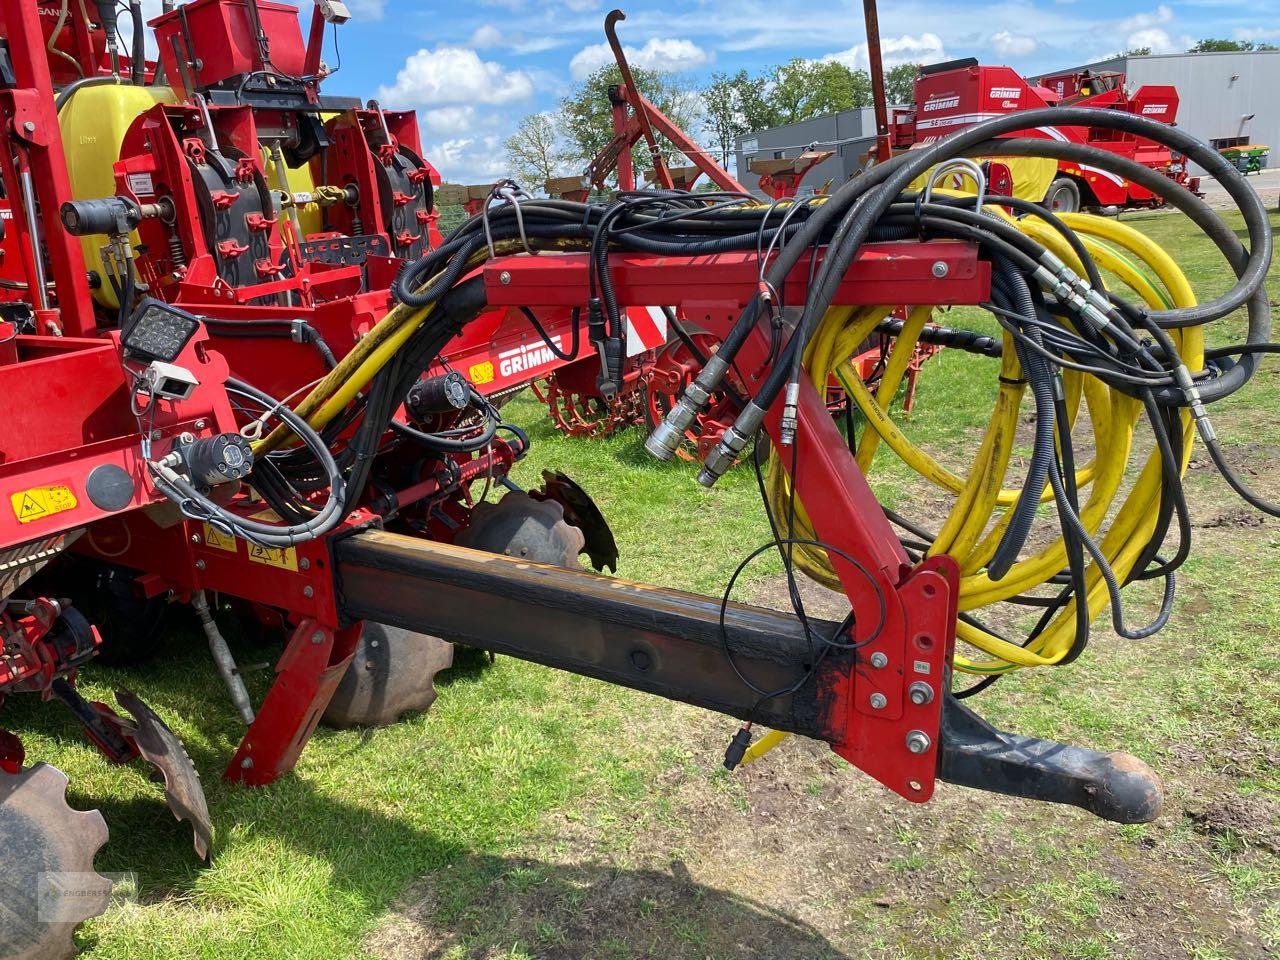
x=1225 y=99
x=850 y=135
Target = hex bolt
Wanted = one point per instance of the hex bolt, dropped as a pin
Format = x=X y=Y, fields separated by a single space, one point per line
x=879 y=701
x=304 y=564
x=195 y=538
x=199 y=564
x=308 y=592
x=504 y=278
x=29 y=126
x=879 y=660
x=920 y=693
x=918 y=741
x=200 y=424
x=940 y=269
x=246 y=763
x=318 y=637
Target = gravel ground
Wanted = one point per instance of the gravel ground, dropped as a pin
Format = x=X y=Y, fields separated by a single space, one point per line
x=1267 y=183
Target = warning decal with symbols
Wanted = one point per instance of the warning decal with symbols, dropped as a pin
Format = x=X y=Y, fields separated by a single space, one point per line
x=285 y=559
x=40 y=502
x=213 y=537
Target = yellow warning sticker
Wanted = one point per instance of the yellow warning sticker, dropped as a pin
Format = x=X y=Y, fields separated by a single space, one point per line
x=481 y=372
x=40 y=502
x=213 y=537
x=285 y=558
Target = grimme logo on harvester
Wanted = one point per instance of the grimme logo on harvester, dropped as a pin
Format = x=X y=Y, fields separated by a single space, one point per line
x=942 y=103
x=526 y=357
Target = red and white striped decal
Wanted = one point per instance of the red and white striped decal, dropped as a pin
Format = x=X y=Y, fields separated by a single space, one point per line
x=646 y=329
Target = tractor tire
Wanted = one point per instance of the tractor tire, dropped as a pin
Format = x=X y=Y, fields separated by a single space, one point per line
x=131 y=626
x=1063 y=196
x=392 y=673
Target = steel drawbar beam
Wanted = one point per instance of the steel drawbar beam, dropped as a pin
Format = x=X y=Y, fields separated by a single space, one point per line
x=670 y=643
x=661 y=641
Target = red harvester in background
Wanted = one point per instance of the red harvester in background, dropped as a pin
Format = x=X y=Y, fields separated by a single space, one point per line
x=957 y=94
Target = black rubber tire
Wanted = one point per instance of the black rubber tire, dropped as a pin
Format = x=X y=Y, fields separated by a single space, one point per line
x=1063 y=196
x=132 y=627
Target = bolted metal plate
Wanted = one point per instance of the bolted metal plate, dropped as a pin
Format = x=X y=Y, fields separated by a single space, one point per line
x=524 y=528
x=48 y=885
x=392 y=672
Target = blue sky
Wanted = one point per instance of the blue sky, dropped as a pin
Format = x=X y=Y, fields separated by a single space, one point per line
x=472 y=69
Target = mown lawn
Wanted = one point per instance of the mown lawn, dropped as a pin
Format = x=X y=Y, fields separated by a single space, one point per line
x=474 y=796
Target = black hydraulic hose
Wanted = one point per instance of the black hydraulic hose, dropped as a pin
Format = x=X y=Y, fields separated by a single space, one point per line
x=138 y=56
x=1226 y=378
x=572 y=352
x=915 y=163
x=71 y=89
x=969 y=341
x=1009 y=283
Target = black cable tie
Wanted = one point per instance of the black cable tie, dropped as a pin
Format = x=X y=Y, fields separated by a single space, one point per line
x=921 y=229
x=1013 y=382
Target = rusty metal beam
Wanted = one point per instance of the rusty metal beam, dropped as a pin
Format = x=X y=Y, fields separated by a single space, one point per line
x=649 y=638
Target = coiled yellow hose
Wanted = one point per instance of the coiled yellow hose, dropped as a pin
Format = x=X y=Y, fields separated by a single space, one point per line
x=981 y=505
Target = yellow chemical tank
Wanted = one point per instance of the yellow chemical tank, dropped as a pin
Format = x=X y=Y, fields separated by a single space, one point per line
x=93 y=123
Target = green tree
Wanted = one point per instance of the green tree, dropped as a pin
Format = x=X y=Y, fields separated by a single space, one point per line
x=722 y=113
x=900 y=83
x=1212 y=45
x=587 y=113
x=536 y=151
x=802 y=89
x=1137 y=52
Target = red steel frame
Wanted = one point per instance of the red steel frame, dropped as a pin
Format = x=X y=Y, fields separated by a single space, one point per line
x=917 y=629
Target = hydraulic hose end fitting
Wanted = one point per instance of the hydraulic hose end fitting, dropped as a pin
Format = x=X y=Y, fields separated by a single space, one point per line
x=670 y=433
x=666 y=439
x=725 y=454
x=790 y=414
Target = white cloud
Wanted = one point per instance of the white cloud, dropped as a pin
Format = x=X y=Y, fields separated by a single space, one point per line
x=486 y=35
x=668 y=56
x=469 y=159
x=367 y=9
x=449 y=121
x=1144 y=21
x=926 y=48
x=1013 y=45
x=1155 y=39
x=1254 y=33
x=454 y=76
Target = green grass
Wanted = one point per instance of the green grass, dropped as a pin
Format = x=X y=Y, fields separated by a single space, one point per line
x=310 y=865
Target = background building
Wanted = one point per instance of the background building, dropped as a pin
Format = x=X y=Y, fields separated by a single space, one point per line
x=850 y=134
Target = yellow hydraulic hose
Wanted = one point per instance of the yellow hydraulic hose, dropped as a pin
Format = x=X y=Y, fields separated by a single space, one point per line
x=981 y=508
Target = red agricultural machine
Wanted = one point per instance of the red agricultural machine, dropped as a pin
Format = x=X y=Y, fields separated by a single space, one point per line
x=241 y=370
x=957 y=94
